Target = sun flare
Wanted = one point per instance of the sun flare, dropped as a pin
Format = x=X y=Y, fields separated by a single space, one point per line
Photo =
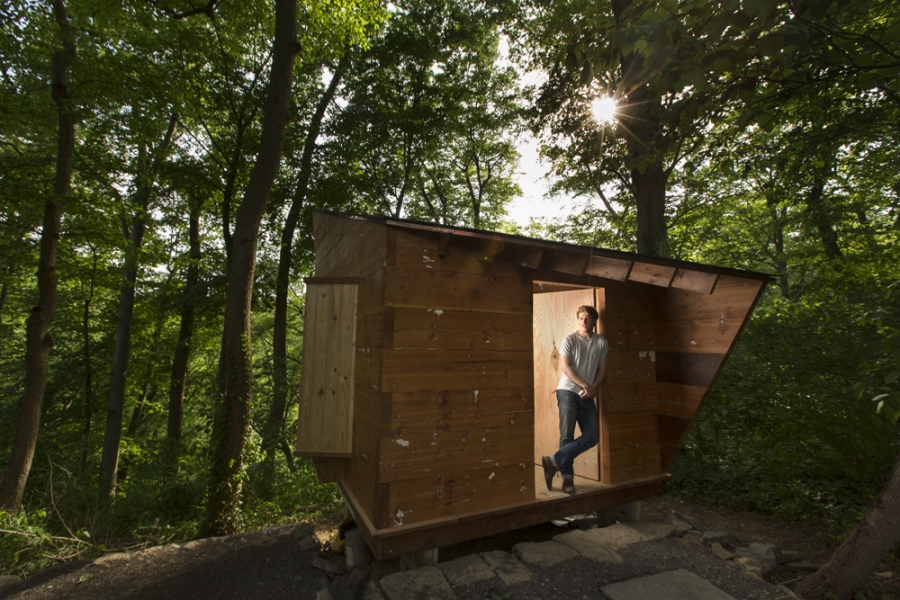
x=604 y=110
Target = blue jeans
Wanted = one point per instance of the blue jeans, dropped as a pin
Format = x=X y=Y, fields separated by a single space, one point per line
x=572 y=409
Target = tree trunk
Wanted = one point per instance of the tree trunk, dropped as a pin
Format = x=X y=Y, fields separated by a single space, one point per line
x=185 y=334
x=232 y=422
x=650 y=193
x=4 y=294
x=275 y=422
x=112 y=437
x=822 y=220
x=861 y=552
x=88 y=370
x=778 y=243
x=38 y=340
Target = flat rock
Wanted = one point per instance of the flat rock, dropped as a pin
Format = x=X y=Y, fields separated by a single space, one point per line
x=693 y=521
x=7 y=581
x=192 y=545
x=543 y=553
x=720 y=552
x=588 y=546
x=672 y=585
x=466 y=570
x=110 y=558
x=308 y=543
x=329 y=566
x=616 y=537
x=727 y=539
x=350 y=586
x=680 y=525
x=372 y=592
x=653 y=531
x=507 y=568
x=427 y=583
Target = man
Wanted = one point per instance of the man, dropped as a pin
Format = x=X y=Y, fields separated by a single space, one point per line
x=583 y=355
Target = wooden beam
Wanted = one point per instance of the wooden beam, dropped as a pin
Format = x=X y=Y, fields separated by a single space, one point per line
x=609 y=268
x=573 y=263
x=653 y=274
x=695 y=281
x=489 y=251
x=524 y=256
x=443 y=244
x=326 y=280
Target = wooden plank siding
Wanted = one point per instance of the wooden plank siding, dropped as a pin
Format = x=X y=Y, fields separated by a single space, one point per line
x=695 y=330
x=459 y=375
x=629 y=430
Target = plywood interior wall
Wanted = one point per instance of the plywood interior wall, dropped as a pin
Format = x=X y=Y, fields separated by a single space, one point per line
x=554 y=319
x=325 y=419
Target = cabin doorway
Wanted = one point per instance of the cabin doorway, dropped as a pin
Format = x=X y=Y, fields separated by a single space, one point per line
x=553 y=318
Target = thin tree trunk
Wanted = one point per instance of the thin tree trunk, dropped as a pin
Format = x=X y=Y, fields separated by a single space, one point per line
x=861 y=552
x=4 y=294
x=778 y=243
x=275 y=422
x=88 y=369
x=819 y=216
x=185 y=334
x=232 y=424
x=112 y=437
x=38 y=340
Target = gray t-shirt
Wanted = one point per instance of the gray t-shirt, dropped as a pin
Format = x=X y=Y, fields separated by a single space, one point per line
x=584 y=356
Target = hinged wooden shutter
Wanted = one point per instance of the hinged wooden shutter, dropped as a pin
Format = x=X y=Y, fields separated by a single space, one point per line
x=325 y=419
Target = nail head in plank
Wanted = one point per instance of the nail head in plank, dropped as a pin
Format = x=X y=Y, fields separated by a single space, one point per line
x=695 y=281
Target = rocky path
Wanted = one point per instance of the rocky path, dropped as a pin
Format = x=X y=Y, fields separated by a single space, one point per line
x=579 y=560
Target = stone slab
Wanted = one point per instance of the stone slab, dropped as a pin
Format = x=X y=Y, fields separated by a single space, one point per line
x=616 y=537
x=653 y=531
x=427 y=583
x=588 y=546
x=507 y=568
x=466 y=570
x=672 y=585
x=543 y=553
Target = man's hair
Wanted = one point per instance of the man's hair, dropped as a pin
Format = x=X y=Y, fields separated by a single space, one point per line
x=589 y=310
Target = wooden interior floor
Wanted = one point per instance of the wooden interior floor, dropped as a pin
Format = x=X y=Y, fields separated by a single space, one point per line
x=582 y=486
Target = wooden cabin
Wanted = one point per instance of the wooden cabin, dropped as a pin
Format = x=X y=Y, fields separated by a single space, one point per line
x=430 y=362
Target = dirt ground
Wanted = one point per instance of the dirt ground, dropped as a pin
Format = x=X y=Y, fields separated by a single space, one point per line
x=274 y=566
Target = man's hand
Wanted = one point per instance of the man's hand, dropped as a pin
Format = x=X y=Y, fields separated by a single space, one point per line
x=588 y=391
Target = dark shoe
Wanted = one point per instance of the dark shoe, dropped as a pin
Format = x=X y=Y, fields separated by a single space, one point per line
x=549 y=471
x=569 y=486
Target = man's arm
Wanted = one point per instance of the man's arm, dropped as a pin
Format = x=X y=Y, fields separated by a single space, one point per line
x=570 y=372
x=591 y=390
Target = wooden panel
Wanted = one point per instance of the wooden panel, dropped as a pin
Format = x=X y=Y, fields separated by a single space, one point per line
x=609 y=268
x=523 y=256
x=426 y=329
x=653 y=274
x=476 y=256
x=687 y=368
x=329 y=470
x=429 y=288
x=630 y=397
x=417 y=500
x=636 y=430
x=732 y=298
x=625 y=366
x=672 y=430
x=325 y=419
x=628 y=320
x=447 y=424
x=436 y=404
x=502 y=447
x=411 y=371
x=695 y=281
x=573 y=263
x=679 y=400
x=348 y=247
x=629 y=464
x=554 y=319
x=709 y=336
